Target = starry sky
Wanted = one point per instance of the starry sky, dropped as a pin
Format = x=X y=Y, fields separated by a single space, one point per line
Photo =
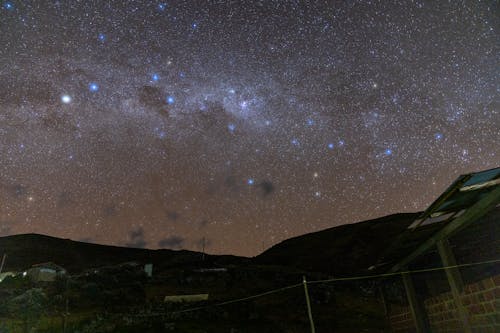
x=237 y=124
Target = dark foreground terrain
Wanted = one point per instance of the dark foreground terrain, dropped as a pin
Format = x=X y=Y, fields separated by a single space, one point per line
x=106 y=289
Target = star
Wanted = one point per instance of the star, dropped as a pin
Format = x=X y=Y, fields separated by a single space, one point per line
x=66 y=99
x=155 y=77
x=101 y=37
x=250 y=181
x=388 y=152
x=8 y=6
x=162 y=6
x=170 y=99
x=93 y=87
x=331 y=146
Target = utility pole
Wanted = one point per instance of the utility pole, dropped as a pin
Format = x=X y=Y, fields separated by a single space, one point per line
x=308 y=303
x=203 y=249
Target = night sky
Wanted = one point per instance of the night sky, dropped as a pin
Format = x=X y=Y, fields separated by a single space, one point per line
x=157 y=124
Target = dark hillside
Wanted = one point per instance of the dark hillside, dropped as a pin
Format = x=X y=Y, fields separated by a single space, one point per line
x=28 y=249
x=343 y=250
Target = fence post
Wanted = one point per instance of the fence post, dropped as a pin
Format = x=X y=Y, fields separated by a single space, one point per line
x=455 y=282
x=308 y=302
x=417 y=310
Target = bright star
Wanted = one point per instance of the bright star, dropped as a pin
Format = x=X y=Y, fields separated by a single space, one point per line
x=331 y=146
x=162 y=6
x=438 y=136
x=155 y=77
x=8 y=6
x=66 y=99
x=250 y=181
x=244 y=105
x=388 y=152
x=170 y=100
x=194 y=25
x=93 y=87
x=102 y=37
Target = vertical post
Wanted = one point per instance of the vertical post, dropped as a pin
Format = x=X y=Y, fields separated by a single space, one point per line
x=3 y=261
x=417 y=310
x=382 y=299
x=454 y=280
x=308 y=302
x=203 y=249
x=384 y=304
x=66 y=308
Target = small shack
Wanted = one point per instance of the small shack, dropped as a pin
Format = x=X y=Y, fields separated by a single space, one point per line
x=45 y=272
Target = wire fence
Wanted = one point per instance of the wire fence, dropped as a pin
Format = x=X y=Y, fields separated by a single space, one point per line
x=407 y=317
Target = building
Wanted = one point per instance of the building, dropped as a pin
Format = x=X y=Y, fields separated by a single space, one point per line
x=45 y=272
x=448 y=261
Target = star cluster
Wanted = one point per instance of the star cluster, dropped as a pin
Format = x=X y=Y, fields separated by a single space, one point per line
x=237 y=124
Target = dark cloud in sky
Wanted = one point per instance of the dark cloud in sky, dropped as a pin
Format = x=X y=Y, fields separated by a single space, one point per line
x=136 y=238
x=174 y=242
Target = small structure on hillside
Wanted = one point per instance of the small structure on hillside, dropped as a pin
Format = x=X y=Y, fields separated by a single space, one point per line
x=211 y=270
x=148 y=269
x=45 y=272
x=6 y=274
x=186 y=298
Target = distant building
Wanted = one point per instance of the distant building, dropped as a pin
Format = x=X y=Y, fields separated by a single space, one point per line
x=211 y=270
x=148 y=269
x=45 y=272
x=186 y=298
x=6 y=274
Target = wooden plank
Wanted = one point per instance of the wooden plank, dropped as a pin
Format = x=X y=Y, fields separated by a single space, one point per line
x=475 y=212
x=455 y=281
x=452 y=189
x=416 y=307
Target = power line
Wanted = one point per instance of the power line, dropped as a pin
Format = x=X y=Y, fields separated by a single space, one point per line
x=353 y=278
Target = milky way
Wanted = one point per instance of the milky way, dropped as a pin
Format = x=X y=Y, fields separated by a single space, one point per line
x=237 y=124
